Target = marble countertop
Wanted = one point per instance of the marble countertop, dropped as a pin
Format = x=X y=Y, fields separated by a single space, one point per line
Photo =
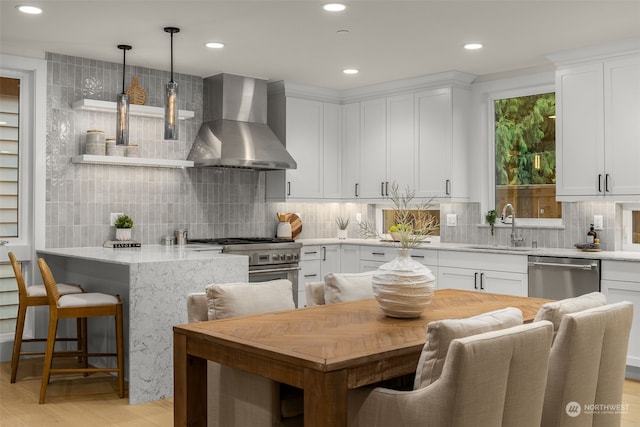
x=559 y=252
x=144 y=254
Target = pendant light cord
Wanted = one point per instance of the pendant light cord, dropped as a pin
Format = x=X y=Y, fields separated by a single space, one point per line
x=172 y=58
x=125 y=48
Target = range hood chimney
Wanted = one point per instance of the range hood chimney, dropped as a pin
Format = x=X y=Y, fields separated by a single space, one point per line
x=234 y=132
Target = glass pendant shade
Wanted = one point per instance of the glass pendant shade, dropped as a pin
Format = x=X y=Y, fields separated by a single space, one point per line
x=122 y=125
x=171 y=111
x=122 y=105
x=171 y=97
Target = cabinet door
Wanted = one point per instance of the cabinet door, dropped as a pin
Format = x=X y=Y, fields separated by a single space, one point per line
x=400 y=141
x=457 y=278
x=373 y=122
x=349 y=259
x=500 y=282
x=351 y=150
x=304 y=142
x=330 y=259
x=622 y=126
x=434 y=136
x=579 y=131
x=618 y=291
x=331 y=145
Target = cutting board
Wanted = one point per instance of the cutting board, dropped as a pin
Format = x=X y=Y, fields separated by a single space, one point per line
x=296 y=225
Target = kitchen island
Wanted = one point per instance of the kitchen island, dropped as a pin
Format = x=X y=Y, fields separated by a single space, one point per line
x=153 y=282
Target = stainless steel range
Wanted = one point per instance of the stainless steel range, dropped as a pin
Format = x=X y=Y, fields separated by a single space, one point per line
x=269 y=258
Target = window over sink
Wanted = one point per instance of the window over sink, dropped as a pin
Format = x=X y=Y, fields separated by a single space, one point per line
x=525 y=155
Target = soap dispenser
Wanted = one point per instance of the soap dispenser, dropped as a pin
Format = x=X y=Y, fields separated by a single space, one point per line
x=591 y=235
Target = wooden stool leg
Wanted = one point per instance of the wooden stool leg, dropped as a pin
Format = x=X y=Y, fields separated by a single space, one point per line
x=48 y=357
x=83 y=342
x=120 y=349
x=17 y=340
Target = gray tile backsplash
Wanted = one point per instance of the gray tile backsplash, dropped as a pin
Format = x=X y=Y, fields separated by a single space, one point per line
x=208 y=202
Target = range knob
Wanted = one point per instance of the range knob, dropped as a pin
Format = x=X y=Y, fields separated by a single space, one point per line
x=282 y=257
x=275 y=257
x=289 y=257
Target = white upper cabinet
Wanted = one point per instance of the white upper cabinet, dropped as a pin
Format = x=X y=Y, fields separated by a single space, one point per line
x=351 y=150
x=597 y=129
x=312 y=135
x=401 y=145
x=373 y=148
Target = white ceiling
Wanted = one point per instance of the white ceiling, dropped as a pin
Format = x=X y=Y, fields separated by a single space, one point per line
x=296 y=40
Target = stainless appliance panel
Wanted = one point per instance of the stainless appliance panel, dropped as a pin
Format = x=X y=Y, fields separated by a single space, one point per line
x=559 y=278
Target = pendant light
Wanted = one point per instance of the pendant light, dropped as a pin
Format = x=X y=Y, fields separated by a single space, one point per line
x=171 y=98
x=122 y=119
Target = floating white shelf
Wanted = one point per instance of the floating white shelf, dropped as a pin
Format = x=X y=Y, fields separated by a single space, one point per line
x=131 y=161
x=134 y=110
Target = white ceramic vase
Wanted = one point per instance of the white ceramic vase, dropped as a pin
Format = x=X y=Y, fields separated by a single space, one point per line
x=342 y=234
x=403 y=287
x=123 y=234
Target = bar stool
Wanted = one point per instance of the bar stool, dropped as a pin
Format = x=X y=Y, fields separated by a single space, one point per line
x=31 y=296
x=80 y=306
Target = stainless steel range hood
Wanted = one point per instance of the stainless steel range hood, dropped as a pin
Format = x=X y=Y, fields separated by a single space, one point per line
x=234 y=132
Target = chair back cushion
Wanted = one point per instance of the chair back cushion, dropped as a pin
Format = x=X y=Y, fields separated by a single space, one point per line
x=241 y=299
x=197 y=307
x=314 y=292
x=587 y=366
x=441 y=333
x=554 y=311
x=342 y=287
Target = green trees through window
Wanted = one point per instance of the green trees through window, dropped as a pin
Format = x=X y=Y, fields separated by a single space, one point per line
x=525 y=147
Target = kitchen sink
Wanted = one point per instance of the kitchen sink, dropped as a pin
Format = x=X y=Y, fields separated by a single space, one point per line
x=501 y=248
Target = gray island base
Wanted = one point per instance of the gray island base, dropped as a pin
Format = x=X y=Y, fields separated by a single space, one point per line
x=153 y=282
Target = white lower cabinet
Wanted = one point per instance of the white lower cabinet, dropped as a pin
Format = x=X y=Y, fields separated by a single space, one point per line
x=349 y=258
x=620 y=281
x=315 y=263
x=496 y=273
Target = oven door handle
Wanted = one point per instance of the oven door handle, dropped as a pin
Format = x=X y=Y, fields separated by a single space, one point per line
x=274 y=270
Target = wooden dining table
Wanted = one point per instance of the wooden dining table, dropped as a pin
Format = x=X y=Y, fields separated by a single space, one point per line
x=324 y=350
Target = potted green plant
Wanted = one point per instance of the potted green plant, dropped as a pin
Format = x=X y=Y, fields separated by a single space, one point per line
x=342 y=224
x=491 y=217
x=123 y=224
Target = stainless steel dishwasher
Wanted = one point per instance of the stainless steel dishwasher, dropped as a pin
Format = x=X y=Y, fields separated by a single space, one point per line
x=559 y=278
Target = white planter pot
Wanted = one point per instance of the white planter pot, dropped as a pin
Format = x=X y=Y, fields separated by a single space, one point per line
x=123 y=234
x=403 y=287
x=342 y=234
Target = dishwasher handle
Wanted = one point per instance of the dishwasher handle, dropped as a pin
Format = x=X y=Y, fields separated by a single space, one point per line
x=560 y=265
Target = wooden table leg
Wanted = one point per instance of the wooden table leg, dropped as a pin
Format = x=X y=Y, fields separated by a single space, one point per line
x=189 y=385
x=325 y=398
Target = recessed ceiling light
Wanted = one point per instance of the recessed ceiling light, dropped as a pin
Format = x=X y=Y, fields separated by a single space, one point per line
x=334 y=7
x=342 y=32
x=350 y=71
x=214 y=45
x=473 y=46
x=31 y=10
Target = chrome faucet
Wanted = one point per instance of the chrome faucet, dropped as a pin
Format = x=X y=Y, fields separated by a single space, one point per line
x=516 y=239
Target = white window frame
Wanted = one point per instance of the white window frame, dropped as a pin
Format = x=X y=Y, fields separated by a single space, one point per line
x=491 y=127
x=32 y=73
x=627 y=225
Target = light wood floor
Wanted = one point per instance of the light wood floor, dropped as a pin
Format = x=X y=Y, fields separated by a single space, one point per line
x=93 y=401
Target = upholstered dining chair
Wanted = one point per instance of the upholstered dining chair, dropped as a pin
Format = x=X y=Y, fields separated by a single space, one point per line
x=32 y=296
x=83 y=305
x=491 y=379
x=339 y=287
x=587 y=367
x=237 y=398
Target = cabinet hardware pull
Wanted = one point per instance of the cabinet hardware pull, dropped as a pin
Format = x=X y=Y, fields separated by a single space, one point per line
x=447 y=187
x=310 y=275
x=599 y=183
x=377 y=253
x=386 y=188
x=482 y=281
x=324 y=253
x=357 y=189
x=311 y=252
x=475 y=280
x=382 y=188
x=606 y=183
x=417 y=256
x=288 y=188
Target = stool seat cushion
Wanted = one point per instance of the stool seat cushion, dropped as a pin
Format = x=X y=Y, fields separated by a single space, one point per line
x=86 y=300
x=63 y=289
